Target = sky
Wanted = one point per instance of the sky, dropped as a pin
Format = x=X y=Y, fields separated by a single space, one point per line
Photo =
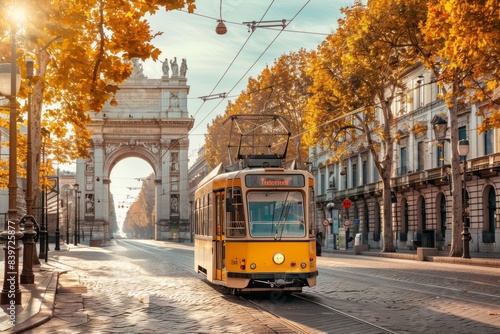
x=222 y=64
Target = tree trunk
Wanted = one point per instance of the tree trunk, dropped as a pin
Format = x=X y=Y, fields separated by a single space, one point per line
x=457 y=207
x=387 y=217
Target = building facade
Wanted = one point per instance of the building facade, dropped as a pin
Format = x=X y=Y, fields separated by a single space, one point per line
x=420 y=197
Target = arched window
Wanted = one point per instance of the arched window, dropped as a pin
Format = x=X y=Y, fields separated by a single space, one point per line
x=441 y=223
x=421 y=221
x=405 y=225
x=366 y=220
x=406 y=217
x=489 y=215
x=492 y=206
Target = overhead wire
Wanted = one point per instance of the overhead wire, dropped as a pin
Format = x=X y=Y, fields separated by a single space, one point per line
x=254 y=63
x=222 y=77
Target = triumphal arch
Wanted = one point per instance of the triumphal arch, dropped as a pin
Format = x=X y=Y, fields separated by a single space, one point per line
x=147 y=119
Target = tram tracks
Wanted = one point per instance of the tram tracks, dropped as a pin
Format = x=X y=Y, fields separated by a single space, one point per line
x=288 y=313
x=310 y=316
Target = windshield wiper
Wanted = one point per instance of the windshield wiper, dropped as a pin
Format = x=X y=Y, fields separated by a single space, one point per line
x=284 y=213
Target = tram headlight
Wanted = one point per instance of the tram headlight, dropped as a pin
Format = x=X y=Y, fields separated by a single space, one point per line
x=303 y=265
x=253 y=266
x=278 y=258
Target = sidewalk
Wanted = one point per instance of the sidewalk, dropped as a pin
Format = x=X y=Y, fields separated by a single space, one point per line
x=50 y=278
x=37 y=300
x=477 y=259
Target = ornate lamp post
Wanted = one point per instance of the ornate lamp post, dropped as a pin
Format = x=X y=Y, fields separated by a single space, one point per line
x=44 y=242
x=10 y=79
x=29 y=251
x=58 y=231
x=75 y=229
x=67 y=216
x=463 y=150
x=330 y=206
x=440 y=126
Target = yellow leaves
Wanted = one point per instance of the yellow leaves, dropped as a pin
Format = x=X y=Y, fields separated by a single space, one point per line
x=419 y=128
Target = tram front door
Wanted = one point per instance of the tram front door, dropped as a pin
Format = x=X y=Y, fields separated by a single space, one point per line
x=219 y=236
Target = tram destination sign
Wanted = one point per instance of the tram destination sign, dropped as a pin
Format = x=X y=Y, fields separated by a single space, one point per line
x=274 y=181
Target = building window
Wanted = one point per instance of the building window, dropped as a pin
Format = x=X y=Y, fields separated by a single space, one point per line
x=322 y=183
x=420 y=156
x=442 y=211
x=364 y=172
x=492 y=207
x=488 y=142
x=419 y=92
x=354 y=175
x=406 y=226
x=403 y=169
x=421 y=214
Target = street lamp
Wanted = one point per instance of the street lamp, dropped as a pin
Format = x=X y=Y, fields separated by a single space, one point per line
x=10 y=290
x=29 y=251
x=330 y=206
x=463 y=150
x=440 y=126
x=75 y=240
x=58 y=232
x=67 y=216
x=44 y=242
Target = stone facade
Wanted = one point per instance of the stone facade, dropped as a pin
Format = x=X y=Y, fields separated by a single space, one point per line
x=146 y=119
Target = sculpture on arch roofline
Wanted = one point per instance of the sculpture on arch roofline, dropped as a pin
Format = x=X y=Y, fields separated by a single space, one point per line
x=183 y=68
x=137 y=70
x=165 y=68
x=174 y=67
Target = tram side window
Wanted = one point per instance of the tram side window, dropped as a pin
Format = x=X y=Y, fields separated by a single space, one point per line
x=312 y=219
x=210 y=224
x=235 y=224
x=197 y=217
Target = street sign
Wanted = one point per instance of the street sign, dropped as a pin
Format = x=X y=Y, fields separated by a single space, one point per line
x=347 y=203
x=326 y=222
x=347 y=222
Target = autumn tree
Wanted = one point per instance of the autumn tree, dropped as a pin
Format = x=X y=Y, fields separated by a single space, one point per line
x=357 y=72
x=139 y=219
x=461 y=48
x=278 y=90
x=82 y=51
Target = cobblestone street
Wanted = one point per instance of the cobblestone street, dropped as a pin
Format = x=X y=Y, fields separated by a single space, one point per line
x=138 y=286
x=128 y=294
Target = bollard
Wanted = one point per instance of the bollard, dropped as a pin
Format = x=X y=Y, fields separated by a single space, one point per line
x=466 y=237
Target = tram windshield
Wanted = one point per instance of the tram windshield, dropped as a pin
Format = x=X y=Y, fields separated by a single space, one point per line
x=276 y=214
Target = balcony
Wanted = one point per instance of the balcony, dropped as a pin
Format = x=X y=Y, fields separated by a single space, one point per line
x=486 y=166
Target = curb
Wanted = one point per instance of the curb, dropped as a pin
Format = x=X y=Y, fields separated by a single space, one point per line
x=40 y=304
x=483 y=262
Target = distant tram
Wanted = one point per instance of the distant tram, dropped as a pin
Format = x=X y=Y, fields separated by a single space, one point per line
x=254 y=227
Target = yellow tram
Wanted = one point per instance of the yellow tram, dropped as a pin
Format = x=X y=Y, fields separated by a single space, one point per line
x=254 y=228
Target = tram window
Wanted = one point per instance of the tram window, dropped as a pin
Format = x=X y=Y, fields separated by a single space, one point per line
x=276 y=214
x=312 y=220
x=235 y=225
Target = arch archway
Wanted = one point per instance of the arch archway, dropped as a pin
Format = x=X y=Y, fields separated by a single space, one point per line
x=149 y=122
